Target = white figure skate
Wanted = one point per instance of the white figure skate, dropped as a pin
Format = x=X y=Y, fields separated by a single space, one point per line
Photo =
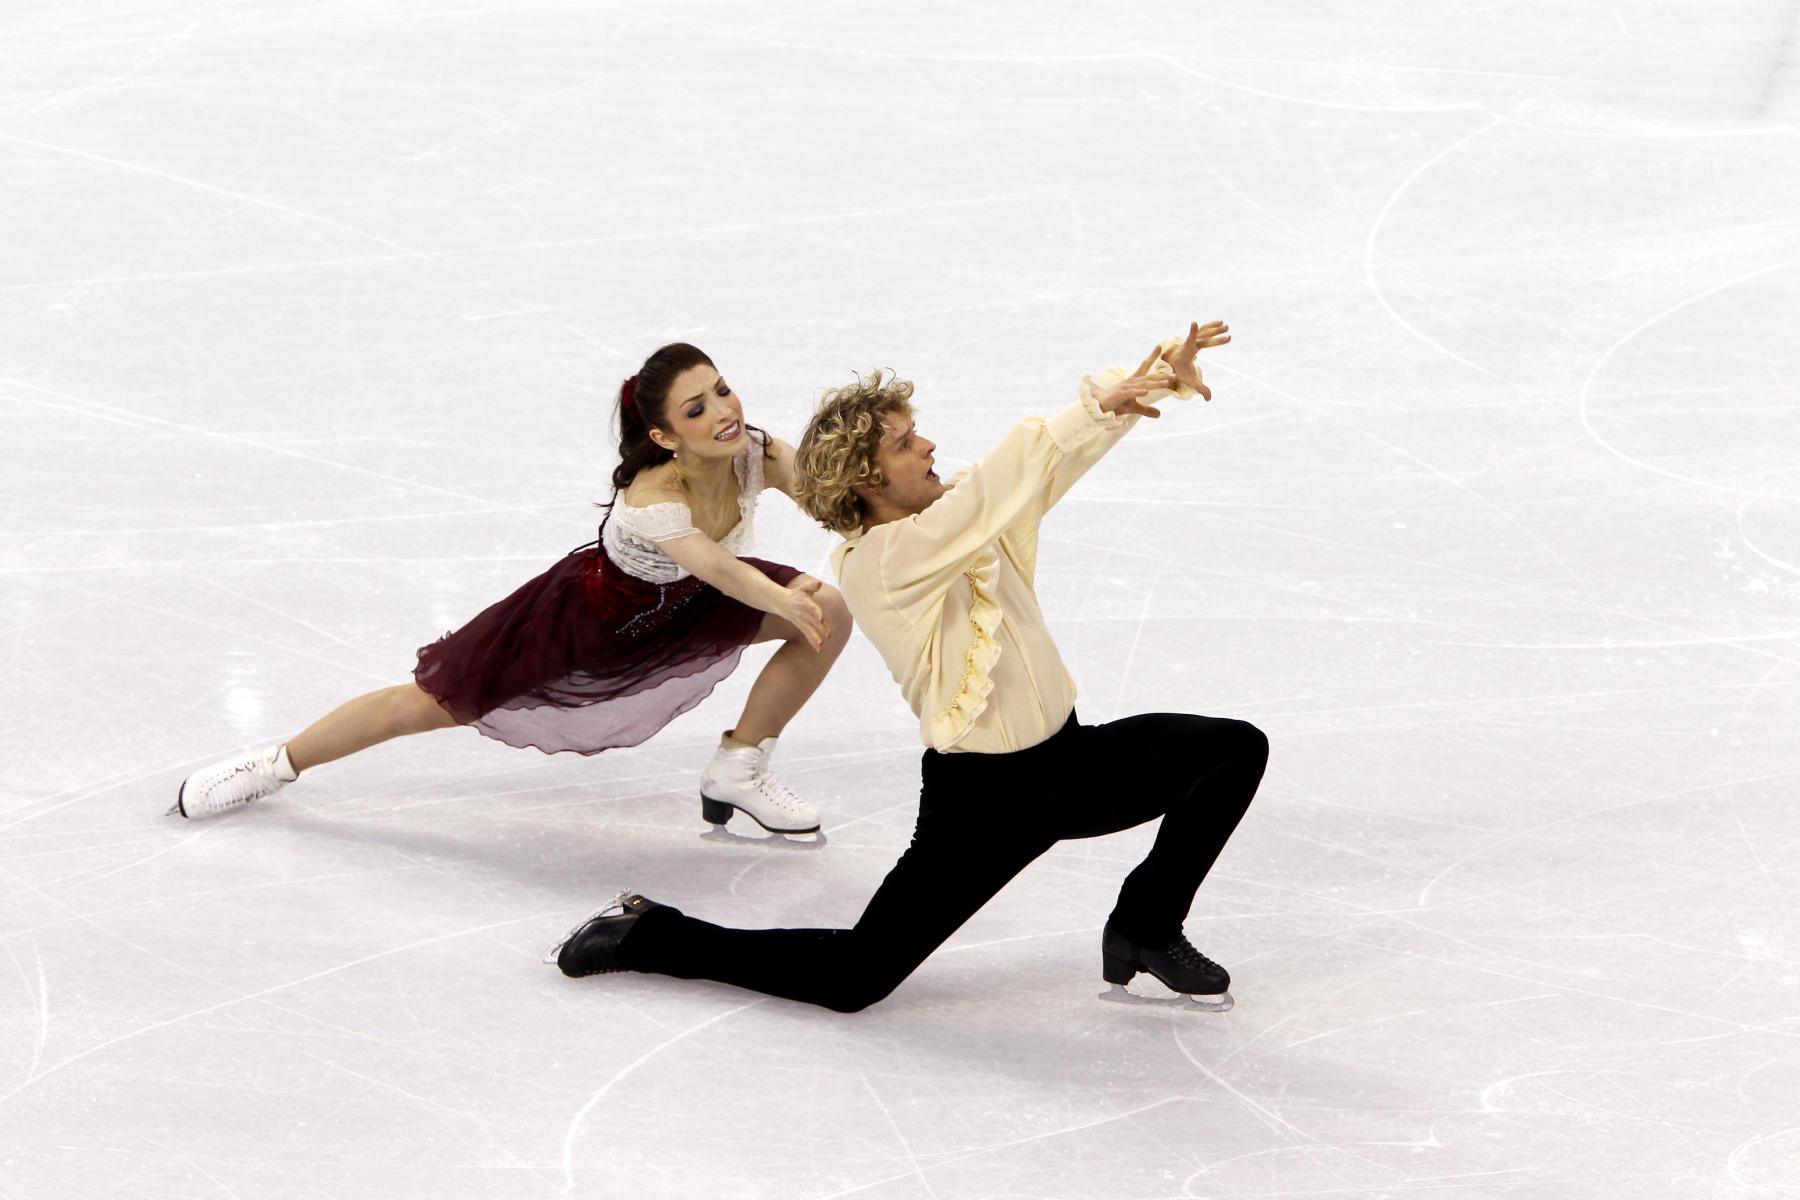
x=234 y=782
x=739 y=778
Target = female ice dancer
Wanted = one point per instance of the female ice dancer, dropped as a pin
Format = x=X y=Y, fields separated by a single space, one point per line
x=622 y=635
x=940 y=576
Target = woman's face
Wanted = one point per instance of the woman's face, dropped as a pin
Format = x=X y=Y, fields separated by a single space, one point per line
x=703 y=417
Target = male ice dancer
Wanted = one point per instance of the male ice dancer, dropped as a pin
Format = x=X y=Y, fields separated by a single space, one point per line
x=939 y=577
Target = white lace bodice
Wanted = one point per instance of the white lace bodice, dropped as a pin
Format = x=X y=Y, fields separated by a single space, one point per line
x=632 y=536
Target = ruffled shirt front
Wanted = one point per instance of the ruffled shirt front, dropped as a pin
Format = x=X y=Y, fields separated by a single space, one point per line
x=633 y=535
x=947 y=595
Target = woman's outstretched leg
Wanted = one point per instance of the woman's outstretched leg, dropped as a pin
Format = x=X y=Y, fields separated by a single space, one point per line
x=738 y=778
x=354 y=725
x=366 y=721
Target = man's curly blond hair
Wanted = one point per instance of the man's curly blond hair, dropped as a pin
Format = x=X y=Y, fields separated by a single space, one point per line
x=836 y=454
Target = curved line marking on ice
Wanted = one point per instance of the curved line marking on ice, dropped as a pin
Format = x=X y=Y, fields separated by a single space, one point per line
x=1758 y=550
x=568 y=1149
x=1587 y=386
x=1375 y=232
x=1731 y=1164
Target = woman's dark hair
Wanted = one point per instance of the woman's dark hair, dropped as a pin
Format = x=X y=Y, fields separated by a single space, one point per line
x=643 y=406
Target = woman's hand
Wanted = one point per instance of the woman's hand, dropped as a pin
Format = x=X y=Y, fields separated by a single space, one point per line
x=1181 y=360
x=800 y=610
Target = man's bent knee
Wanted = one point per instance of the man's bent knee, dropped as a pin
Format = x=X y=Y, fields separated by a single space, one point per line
x=1255 y=742
x=853 y=996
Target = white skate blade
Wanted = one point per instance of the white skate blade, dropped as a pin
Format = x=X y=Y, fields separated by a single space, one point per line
x=1164 y=998
x=781 y=841
x=555 y=952
x=617 y=902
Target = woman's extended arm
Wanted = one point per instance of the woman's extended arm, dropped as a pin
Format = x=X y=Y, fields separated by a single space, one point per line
x=711 y=563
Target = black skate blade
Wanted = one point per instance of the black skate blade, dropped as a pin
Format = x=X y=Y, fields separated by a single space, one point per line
x=814 y=840
x=717 y=812
x=1180 y=1001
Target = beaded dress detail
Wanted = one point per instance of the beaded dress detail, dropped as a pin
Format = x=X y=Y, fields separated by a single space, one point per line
x=611 y=643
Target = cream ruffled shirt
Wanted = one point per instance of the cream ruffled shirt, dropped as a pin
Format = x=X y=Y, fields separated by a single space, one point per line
x=947 y=595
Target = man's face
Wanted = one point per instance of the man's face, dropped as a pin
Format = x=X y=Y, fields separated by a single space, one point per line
x=908 y=482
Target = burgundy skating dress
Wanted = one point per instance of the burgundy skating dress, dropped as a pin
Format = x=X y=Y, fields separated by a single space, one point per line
x=610 y=644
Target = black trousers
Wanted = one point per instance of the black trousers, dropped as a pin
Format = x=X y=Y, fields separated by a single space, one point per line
x=982 y=819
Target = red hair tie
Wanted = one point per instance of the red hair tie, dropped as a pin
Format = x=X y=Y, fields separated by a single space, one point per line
x=628 y=397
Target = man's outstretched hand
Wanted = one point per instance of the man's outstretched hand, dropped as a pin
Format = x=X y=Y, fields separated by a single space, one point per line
x=1181 y=359
x=1126 y=397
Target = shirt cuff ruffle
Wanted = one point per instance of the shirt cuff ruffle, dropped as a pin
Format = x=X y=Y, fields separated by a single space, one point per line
x=953 y=724
x=1081 y=421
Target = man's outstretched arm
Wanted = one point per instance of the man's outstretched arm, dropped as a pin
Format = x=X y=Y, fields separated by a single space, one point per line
x=923 y=553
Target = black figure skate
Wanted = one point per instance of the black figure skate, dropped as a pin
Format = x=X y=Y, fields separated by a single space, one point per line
x=592 y=947
x=1199 y=984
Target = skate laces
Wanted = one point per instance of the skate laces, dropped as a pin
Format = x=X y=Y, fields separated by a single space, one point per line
x=261 y=770
x=1183 y=952
x=240 y=782
x=777 y=792
x=250 y=781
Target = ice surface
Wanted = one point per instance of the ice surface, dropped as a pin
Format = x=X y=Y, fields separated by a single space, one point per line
x=310 y=318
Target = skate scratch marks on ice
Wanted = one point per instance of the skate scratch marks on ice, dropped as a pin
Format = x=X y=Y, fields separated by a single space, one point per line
x=1424 y=901
x=1350 y=987
x=88 y=876
x=994 y=1147
x=568 y=1148
x=162 y=46
x=1302 y=1141
x=1136 y=55
x=36 y=1076
x=98 y=409
x=1587 y=386
x=40 y=994
x=1085 y=931
x=87 y=791
x=173 y=1153
x=264 y=202
x=1137 y=638
x=1629 y=1001
x=917 y=1168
